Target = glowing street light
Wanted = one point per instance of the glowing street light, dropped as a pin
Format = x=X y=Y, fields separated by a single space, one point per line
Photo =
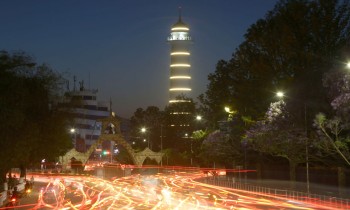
x=348 y=65
x=230 y=113
x=144 y=130
x=280 y=94
x=73 y=131
x=198 y=117
x=227 y=109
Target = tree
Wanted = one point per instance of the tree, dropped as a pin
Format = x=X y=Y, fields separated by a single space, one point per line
x=277 y=137
x=151 y=119
x=218 y=94
x=290 y=49
x=31 y=128
x=333 y=131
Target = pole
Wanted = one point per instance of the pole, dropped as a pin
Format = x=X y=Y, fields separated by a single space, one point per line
x=306 y=153
x=307 y=169
x=191 y=152
x=111 y=149
x=161 y=143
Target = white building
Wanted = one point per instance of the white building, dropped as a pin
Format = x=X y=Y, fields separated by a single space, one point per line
x=86 y=111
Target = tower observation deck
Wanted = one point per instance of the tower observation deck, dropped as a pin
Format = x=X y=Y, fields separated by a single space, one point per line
x=180 y=77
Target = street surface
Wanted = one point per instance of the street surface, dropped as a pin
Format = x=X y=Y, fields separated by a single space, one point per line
x=162 y=191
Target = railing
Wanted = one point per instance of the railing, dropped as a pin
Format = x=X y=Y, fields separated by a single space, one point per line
x=324 y=200
x=170 y=38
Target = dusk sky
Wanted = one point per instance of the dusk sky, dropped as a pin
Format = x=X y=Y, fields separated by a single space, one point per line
x=122 y=44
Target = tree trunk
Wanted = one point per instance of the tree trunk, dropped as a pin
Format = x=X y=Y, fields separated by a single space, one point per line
x=341 y=181
x=292 y=174
x=258 y=170
x=23 y=171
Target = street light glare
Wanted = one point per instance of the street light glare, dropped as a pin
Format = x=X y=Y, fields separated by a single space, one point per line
x=72 y=130
x=199 y=117
x=280 y=94
x=348 y=65
x=143 y=130
x=227 y=109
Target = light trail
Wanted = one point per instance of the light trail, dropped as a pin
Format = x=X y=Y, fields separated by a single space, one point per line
x=177 y=190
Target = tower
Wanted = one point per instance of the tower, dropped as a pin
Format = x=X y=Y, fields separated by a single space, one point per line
x=180 y=77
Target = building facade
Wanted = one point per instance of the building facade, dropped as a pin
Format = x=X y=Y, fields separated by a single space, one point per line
x=86 y=110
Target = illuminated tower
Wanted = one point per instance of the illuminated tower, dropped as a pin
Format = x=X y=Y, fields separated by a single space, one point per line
x=180 y=77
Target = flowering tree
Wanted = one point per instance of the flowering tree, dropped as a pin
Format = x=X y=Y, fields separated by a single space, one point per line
x=220 y=148
x=274 y=135
x=334 y=131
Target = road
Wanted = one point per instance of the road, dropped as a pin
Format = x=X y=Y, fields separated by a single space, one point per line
x=162 y=191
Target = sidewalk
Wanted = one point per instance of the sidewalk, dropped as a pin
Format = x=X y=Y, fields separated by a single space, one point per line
x=301 y=187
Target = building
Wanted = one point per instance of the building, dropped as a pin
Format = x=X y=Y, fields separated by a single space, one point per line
x=180 y=77
x=181 y=107
x=86 y=110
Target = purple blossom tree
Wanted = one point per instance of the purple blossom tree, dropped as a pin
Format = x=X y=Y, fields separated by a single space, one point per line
x=275 y=135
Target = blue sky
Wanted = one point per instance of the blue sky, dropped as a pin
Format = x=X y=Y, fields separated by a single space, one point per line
x=122 y=44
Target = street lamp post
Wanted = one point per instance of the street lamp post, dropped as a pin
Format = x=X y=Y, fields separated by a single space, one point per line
x=281 y=95
x=161 y=143
x=144 y=130
x=73 y=131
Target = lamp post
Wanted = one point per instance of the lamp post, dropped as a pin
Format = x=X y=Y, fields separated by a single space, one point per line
x=144 y=130
x=161 y=143
x=73 y=131
x=280 y=95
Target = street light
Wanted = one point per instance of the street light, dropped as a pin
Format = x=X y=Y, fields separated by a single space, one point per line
x=144 y=130
x=348 y=65
x=73 y=131
x=280 y=95
x=230 y=113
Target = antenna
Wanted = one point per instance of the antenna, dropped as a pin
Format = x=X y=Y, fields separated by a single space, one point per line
x=89 y=81
x=110 y=106
x=74 y=80
x=179 y=13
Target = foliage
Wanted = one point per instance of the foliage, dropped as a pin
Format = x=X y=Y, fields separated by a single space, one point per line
x=31 y=127
x=276 y=136
x=220 y=148
x=333 y=132
x=152 y=120
x=290 y=49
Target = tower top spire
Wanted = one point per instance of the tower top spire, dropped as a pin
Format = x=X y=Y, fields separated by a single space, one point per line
x=180 y=25
x=180 y=14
